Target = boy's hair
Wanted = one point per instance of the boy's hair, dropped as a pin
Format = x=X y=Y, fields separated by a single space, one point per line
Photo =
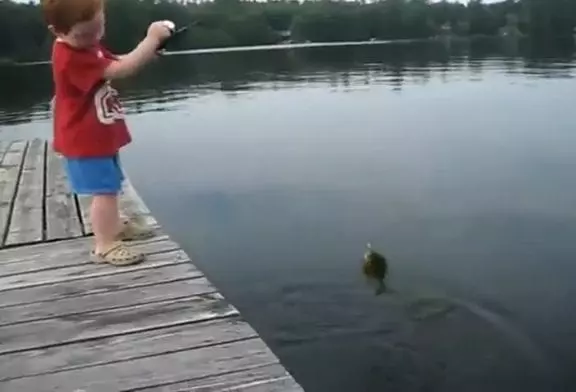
x=62 y=15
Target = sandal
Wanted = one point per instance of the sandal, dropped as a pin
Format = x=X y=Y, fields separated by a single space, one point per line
x=133 y=231
x=118 y=255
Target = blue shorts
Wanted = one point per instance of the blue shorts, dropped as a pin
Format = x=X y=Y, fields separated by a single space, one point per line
x=94 y=176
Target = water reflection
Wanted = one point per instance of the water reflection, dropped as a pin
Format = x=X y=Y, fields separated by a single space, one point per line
x=26 y=90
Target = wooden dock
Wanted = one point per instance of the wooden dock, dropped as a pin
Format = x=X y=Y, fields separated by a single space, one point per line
x=67 y=324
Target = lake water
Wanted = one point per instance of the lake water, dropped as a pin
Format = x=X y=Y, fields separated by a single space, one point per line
x=274 y=169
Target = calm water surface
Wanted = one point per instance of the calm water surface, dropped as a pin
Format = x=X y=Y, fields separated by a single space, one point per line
x=274 y=169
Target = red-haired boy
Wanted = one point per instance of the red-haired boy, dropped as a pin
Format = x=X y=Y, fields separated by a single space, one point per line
x=89 y=126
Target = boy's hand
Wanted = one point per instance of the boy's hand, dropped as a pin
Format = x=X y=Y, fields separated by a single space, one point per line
x=159 y=31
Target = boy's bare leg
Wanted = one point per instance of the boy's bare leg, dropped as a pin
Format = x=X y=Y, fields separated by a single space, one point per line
x=105 y=221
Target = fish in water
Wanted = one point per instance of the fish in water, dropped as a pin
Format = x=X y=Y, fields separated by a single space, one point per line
x=375 y=269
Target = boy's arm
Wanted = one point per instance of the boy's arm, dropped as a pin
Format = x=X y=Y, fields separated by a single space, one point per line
x=130 y=63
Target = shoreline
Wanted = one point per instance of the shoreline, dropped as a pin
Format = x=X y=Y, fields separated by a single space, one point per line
x=303 y=45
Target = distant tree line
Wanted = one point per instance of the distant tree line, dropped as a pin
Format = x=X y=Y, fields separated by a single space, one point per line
x=219 y=23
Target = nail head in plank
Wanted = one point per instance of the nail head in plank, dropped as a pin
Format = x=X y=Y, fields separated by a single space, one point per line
x=100 y=324
x=26 y=223
x=61 y=215
x=144 y=372
x=9 y=174
x=124 y=347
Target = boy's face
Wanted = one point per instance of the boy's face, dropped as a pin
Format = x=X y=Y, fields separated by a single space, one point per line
x=85 y=34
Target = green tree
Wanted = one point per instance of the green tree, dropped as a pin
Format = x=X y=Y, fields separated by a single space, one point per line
x=23 y=34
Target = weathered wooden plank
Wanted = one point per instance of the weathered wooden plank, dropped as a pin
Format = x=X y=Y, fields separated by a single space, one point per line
x=9 y=173
x=63 y=248
x=280 y=384
x=124 y=347
x=88 y=271
x=139 y=373
x=61 y=214
x=77 y=288
x=267 y=378
x=103 y=301
x=26 y=224
x=99 y=324
x=58 y=256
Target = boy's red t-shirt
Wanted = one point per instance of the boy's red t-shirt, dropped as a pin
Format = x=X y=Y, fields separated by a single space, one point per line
x=88 y=117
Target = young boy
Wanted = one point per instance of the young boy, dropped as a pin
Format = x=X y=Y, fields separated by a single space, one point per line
x=89 y=126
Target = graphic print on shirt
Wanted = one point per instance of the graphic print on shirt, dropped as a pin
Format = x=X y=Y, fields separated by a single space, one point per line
x=108 y=107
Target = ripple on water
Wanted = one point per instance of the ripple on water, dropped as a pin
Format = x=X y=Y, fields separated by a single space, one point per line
x=461 y=331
